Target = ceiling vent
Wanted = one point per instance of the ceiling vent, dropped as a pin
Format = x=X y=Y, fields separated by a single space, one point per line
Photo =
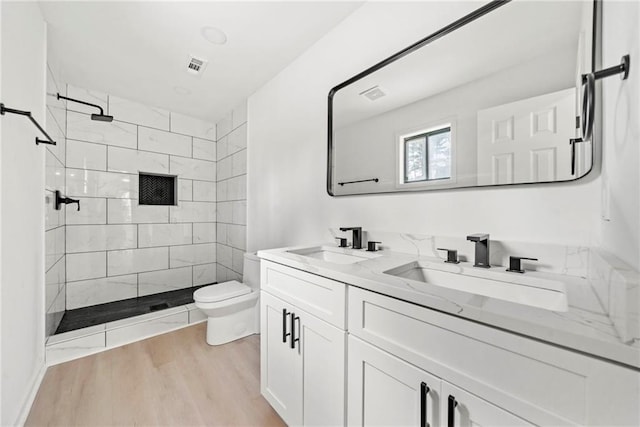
x=196 y=66
x=373 y=93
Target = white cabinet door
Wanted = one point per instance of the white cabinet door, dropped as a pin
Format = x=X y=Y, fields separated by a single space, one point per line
x=387 y=391
x=322 y=348
x=281 y=366
x=459 y=408
x=302 y=365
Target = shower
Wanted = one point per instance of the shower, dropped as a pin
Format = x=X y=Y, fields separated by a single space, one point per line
x=97 y=117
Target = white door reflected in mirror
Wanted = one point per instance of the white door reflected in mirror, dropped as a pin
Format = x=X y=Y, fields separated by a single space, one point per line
x=527 y=140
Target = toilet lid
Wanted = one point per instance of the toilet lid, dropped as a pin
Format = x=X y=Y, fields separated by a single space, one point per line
x=221 y=291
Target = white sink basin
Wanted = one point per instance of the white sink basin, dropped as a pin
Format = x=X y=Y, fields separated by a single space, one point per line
x=535 y=292
x=335 y=255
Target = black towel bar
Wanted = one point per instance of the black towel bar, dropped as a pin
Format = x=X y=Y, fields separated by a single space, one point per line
x=4 y=110
x=362 y=180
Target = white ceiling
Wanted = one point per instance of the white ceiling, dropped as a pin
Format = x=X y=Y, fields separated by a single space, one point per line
x=139 y=50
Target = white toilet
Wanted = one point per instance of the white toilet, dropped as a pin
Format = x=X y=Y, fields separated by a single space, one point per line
x=232 y=307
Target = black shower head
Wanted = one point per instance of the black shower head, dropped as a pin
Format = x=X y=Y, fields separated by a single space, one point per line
x=97 y=117
x=101 y=118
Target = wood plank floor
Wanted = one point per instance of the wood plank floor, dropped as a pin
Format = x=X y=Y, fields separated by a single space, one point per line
x=172 y=379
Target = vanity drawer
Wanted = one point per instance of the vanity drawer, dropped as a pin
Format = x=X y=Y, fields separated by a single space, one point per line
x=542 y=383
x=322 y=297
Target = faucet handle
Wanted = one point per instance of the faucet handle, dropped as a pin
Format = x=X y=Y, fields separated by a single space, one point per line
x=452 y=255
x=514 y=263
x=342 y=242
x=371 y=246
x=478 y=237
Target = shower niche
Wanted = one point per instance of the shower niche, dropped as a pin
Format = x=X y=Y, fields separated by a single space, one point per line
x=158 y=190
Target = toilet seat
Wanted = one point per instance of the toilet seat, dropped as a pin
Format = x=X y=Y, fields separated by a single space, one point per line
x=220 y=292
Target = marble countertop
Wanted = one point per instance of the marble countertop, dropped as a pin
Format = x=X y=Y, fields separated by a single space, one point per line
x=585 y=326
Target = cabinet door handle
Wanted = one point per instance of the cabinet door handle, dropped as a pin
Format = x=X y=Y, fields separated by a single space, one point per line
x=451 y=413
x=294 y=340
x=424 y=391
x=285 y=334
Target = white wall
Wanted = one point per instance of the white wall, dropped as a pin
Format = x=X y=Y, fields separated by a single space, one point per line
x=621 y=130
x=287 y=202
x=23 y=52
x=1 y=206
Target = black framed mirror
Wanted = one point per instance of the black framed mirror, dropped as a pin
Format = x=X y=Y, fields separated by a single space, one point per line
x=494 y=98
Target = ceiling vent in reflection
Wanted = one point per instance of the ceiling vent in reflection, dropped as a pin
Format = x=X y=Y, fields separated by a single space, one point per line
x=196 y=66
x=373 y=93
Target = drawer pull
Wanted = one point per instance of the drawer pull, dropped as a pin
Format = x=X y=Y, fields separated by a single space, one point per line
x=451 y=413
x=285 y=334
x=294 y=340
x=424 y=391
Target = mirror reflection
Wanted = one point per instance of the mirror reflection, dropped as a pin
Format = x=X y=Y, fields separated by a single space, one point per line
x=494 y=102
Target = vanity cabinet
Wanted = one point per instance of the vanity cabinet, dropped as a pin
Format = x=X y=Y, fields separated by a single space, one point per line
x=281 y=375
x=385 y=390
x=302 y=354
x=496 y=377
x=409 y=365
x=461 y=408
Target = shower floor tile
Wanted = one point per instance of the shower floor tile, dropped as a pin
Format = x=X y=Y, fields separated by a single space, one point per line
x=109 y=312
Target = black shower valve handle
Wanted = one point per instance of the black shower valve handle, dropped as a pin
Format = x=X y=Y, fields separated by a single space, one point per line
x=69 y=201
x=65 y=200
x=76 y=201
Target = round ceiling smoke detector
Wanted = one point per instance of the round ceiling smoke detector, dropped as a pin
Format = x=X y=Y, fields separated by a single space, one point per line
x=214 y=35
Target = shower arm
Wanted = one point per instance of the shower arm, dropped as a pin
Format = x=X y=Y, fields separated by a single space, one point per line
x=58 y=96
x=4 y=110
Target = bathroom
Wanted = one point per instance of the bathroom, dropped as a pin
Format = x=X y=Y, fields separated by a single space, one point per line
x=257 y=175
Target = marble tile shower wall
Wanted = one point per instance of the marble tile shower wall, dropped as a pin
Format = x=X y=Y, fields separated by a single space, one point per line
x=55 y=260
x=232 y=193
x=117 y=249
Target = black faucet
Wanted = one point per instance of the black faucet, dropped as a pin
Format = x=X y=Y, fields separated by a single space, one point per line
x=482 y=249
x=356 y=242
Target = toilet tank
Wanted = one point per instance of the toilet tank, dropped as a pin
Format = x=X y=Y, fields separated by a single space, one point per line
x=251 y=273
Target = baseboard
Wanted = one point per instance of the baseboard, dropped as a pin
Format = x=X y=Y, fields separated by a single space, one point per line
x=35 y=386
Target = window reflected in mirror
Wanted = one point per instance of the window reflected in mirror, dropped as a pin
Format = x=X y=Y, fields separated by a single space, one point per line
x=427 y=155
